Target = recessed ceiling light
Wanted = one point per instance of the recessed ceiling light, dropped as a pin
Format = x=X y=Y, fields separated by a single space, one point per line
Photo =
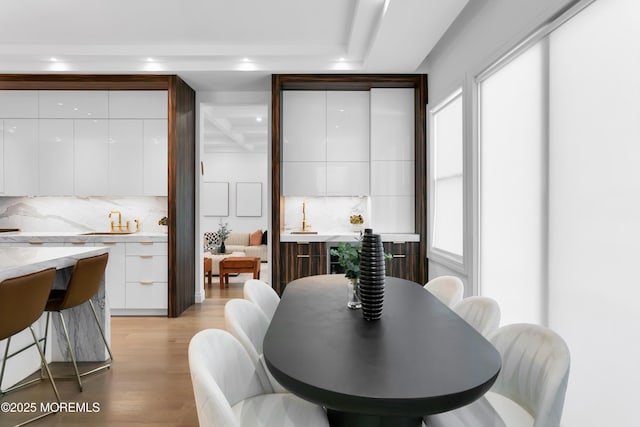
x=245 y=59
x=150 y=59
x=53 y=59
x=258 y=119
x=341 y=59
x=75 y=108
x=60 y=104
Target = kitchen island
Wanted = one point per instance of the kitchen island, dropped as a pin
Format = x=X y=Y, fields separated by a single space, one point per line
x=86 y=340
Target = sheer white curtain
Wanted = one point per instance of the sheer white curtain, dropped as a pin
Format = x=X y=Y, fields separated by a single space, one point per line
x=594 y=217
x=512 y=177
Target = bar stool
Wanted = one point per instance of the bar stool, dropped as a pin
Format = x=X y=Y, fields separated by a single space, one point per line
x=85 y=281
x=22 y=302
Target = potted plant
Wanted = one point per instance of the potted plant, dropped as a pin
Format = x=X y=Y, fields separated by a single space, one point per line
x=223 y=233
x=349 y=259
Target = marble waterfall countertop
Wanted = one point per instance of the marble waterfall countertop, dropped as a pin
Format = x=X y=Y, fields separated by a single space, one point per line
x=76 y=236
x=346 y=237
x=17 y=261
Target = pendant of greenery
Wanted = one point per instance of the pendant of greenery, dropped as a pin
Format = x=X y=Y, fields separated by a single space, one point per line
x=348 y=258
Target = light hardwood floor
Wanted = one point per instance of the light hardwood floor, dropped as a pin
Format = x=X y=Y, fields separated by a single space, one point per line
x=149 y=382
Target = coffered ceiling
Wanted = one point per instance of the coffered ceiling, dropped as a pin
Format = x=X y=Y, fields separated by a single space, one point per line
x=222 y=45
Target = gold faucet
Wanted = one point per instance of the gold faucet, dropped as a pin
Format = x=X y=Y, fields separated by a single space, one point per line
x=119 y=226
x=305 y=226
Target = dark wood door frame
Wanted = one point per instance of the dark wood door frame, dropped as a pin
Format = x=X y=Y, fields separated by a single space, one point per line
x=181 y=167
x=281 y=82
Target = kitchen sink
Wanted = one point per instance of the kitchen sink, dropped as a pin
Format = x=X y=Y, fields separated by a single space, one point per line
x=106 y=233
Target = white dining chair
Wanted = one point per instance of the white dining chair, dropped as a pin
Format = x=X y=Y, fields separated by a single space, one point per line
x=530 y=388
x=229 y=393
x=263 y=295
x=448 y=289
x=249 y=325
x=483 y=313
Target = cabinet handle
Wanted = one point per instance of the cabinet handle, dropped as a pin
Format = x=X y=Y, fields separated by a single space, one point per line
x=303 y=256
x=399 y=256
x=146 y=243
x=35 y=243
x=146 y=256
x=108 y=243
x=146 y=282
x=303 y=243
x=399 y=243
x=78 y=243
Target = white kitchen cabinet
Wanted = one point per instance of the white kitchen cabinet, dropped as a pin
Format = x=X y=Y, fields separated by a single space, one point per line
x=392 y=124
x=156 y=159
x=348 y=126
x=73 y=104
x=136 y=104
x=393 y=214
x=90 y=157
x=304 y=178
x=55 y=147
x=19 y=104
x=125 y=157
x=347 y=178
x=1 y=156
x=304 y=126
x=146 y=277
x=21 y=157
x=392 y=178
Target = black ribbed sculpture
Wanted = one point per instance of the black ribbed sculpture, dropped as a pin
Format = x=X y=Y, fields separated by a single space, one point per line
x=372 y=273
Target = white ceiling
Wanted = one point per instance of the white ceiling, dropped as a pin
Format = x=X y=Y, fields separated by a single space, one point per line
x=221 y=45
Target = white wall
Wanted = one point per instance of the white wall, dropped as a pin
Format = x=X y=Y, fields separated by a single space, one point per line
x=484 y=31
x=234 y=168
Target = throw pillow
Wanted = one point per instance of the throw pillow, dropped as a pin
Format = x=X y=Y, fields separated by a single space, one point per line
x=264 y=237
x=255 y=238
x=211 y=241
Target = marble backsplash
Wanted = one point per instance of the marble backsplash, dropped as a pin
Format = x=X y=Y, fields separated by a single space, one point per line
x=82 y=214
x=327 y=215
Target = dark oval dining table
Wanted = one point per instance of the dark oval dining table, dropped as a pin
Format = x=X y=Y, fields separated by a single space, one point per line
x=420 y=358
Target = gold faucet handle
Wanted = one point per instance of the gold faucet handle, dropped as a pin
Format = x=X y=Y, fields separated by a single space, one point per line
x=112 y=226
x=137 y=221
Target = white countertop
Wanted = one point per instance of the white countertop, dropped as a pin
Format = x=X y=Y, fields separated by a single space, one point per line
x=17 y=261
x=76 y=236
x=345 y=237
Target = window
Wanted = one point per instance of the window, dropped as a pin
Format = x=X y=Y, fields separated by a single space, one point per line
x=446 y=181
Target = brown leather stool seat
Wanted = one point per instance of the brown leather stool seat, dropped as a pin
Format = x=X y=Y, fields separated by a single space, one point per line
x=84 y=283
x=22 y=302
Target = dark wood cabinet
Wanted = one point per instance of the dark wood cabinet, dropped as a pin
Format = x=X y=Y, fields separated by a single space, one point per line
x=405 y=261
x=301 y=259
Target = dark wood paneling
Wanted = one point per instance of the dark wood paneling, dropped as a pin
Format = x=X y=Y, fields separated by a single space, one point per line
x=281 y=82
x=405 y=261
x=182 y=196
x=300 y=259
x=277 y=201
x=421 y=174
x=83 y=82
x=181 y=140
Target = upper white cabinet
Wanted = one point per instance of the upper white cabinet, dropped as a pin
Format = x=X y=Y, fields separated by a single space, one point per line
x=55 y=149
x=304 y=123
x=21 y=157
x=304 y=178
x=19 y=104
x=156 y=160
x=348 y=126
x=85 y=143
x=136 y=104
x=325 y=143
x=91 y=154
x=392 y=124
x=70 y=104
x=125 y=157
